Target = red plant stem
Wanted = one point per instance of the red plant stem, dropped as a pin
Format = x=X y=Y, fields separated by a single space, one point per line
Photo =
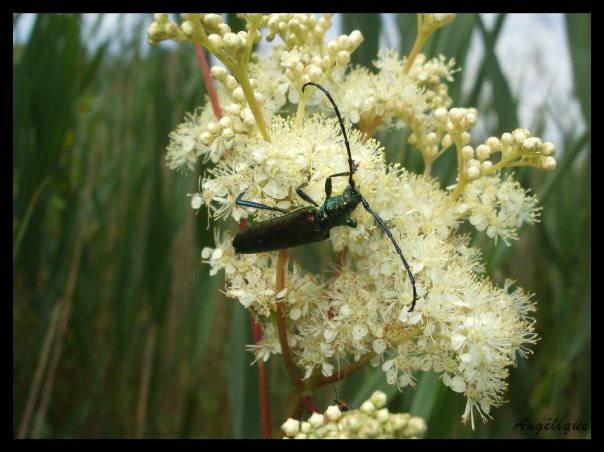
x=310 y=405
x=265 y=410
x=207 y=80
x=282 y=257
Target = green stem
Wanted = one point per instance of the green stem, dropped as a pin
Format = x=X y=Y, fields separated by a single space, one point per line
x=427 y=167
x=461 y=181
x=417 y=45
x=248 y=92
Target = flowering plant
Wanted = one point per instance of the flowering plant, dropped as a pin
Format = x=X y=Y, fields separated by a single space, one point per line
x=356 y=311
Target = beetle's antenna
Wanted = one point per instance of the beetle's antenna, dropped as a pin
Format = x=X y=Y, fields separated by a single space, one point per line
x=398 y=250
x=335 y=107
x=363 y=200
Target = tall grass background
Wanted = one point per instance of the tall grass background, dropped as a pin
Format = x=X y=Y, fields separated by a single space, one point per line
x=118 y=330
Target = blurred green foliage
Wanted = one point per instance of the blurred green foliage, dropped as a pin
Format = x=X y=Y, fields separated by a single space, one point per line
x=119 y=331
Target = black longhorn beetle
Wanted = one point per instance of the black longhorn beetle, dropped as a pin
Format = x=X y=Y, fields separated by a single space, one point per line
x=311 y=224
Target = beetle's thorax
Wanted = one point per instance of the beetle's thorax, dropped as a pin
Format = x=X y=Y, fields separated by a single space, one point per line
x=336 y=210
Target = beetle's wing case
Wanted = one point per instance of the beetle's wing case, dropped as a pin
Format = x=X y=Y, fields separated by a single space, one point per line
x=287 y=231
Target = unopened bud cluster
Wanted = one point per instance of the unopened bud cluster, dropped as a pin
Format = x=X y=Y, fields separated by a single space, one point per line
x=433 y=21
x=371 y=420
x=518 y=148
x=237 y=116
x=162 y=29
x=210 y=30
x=305 y=64
x=432 y=75
x=298 y=29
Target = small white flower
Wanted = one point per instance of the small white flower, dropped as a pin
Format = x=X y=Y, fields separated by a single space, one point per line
x=333 y=412
x=291 y=427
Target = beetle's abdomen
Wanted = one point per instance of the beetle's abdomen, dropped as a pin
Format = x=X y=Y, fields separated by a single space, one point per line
x=297 y=228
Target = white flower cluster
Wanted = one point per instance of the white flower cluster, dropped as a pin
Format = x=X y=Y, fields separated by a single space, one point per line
x=498 y=207
x=463 y=327
x=371 y=421
x=363 y=311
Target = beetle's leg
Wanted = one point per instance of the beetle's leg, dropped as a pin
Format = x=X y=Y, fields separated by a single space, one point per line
x=304 y=196
x=328 y=183
x=255 y=205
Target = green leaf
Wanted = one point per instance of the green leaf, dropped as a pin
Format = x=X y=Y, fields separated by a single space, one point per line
x=407 y=28
x=504 y=102
x=375 y=382
x=479 y=82
x=425 y=399
x=242 y=378
x=370 y=25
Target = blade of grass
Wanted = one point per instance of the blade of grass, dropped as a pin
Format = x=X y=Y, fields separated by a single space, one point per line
x=480 y=77
x=503 y=100
x=425 y=399
x=25 y=222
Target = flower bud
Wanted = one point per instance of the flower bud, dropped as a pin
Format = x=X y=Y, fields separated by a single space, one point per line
x=206 y=138
x=467 y=152
x=531 y=144
x=316 y=420
x=226 y=122
x=187 y=27
x=493 y=143
x=548 y=149
x=231 y=40
x=343 y=58
x=483 y=152
x=378 y=398
x=233 y=108
x=218 y=72
x=519 y=135
x=382 y=416
x=356 y=38
x=473 y=172
x=368 y=407
x=333 y=412
x=223 y=29
x=291 y=427
x=548 y=163
x=215 y=40
x=212 y=20
x=314 y=72
x=214 y=128
x=486 y=165
x=440 y=114
x=455 y=115
x=238 y=94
